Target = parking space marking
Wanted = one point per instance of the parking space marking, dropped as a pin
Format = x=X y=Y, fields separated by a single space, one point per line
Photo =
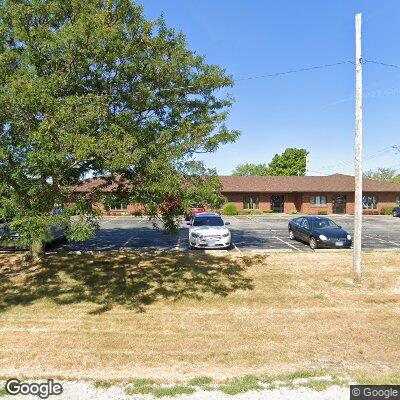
x=287 y=243
x=236 y=248
x=382 y=240
x=178 y=243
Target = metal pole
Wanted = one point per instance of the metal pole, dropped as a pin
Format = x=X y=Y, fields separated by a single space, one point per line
x=358 y=208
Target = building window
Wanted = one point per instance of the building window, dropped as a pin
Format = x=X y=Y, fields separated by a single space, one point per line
x=318 y=200
x=251 y=202
x=370 y=202
x=119 y=206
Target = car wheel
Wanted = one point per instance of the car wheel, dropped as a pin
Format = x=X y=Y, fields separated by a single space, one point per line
x=291 y=235
x=313 y=243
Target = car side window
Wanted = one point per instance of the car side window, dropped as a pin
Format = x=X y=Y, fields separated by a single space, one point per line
x=305 y=224
x=298 y=221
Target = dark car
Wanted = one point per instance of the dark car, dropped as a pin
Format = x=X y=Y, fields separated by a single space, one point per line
x=396 y=211
x=319 y=232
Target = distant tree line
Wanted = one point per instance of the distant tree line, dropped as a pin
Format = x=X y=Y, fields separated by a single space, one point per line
x=291 y=162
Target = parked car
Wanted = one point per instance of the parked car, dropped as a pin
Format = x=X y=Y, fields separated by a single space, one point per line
x=319 y=232
x=10 y=237
x=396 y=211
x=194 y=210
x=208 y=230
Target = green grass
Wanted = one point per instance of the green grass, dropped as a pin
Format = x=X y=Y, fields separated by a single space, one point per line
x=142 y=382
x=241 y=385
x=201 y=381
x=140 y=386
x=3 y=392
x=172 y=391
x=131 y=390
x=103 y=384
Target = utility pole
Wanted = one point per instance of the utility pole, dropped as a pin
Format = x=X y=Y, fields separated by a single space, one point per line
x=358 y=207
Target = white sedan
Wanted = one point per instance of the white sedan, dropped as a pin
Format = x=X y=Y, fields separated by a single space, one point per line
x=209 y=231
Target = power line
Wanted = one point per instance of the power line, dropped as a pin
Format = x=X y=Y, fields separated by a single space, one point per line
x=293 y=71
x=382 y=63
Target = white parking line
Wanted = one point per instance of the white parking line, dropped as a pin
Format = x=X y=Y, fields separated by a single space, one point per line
x=382 y=240
x=178 y=244
x=237 y=219
x=248 y=217
x=123 y=248
x=142 y=219
x=290 y=245
x=236 y=248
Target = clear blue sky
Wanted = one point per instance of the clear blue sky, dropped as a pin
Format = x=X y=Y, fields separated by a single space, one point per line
x=314 y=110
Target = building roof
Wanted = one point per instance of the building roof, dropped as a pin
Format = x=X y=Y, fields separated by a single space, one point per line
x=286 y=184
x=270 y=184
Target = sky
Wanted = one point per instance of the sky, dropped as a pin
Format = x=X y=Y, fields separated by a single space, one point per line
x=312 y=109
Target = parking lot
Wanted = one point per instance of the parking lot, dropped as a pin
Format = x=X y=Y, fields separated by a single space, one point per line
x=249 y=233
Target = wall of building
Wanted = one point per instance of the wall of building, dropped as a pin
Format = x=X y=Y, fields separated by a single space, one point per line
x=300 y=202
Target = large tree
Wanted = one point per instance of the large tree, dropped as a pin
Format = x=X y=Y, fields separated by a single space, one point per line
x=290 y=162
x=91 y=86
x=383 y=174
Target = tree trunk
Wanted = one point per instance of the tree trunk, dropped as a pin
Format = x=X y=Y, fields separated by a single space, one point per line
x=37 y=249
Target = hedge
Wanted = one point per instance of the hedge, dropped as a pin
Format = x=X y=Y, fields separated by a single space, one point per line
x=229 y=209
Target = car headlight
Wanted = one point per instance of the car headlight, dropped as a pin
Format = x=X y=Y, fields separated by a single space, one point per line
x=323 y=237
x=195 y=235
x=226 y=234
x=348 y=237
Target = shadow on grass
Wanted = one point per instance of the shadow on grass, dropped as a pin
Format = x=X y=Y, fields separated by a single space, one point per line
x=132 y=280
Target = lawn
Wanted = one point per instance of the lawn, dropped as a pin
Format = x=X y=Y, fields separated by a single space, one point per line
x=177 y=316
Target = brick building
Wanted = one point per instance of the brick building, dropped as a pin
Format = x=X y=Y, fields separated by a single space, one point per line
x=287 y=194
x=307 y=194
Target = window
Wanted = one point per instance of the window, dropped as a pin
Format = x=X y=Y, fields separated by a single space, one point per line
x=251 y=202
x=119 y=206
x=305 y=224
x=318 y=200
x=370 y=202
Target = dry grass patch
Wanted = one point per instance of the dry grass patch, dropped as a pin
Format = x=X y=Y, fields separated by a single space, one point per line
x=176 y=316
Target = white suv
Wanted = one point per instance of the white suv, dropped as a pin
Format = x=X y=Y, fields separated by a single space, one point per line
x=209 y=231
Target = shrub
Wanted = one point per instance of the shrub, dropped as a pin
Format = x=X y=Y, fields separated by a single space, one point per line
x=386 y=210
x=267 y=211
x=370 y=212
x=137 y=213
x=322 y=212
x=244 y=212
x=229 y=209
x=294 y=212
x=256 y=212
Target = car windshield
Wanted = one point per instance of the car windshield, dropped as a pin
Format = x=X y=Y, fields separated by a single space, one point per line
x=208 y=221
x=324 y=223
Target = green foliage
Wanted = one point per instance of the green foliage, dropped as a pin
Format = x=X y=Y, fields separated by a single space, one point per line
x=384 y=175
x=201 y=381
x=322 y=212
x=249 y=169
x=90 y=87
x=102 y=384
x=386 y=210
x=240 y=385
x=3 y=392
x=290 y=162
x=229 y=209
x=171 y=391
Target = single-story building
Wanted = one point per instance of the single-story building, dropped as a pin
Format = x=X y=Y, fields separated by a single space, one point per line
x=285 y=194
x=307 y=194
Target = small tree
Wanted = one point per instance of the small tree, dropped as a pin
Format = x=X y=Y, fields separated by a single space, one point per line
x=91 y=86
